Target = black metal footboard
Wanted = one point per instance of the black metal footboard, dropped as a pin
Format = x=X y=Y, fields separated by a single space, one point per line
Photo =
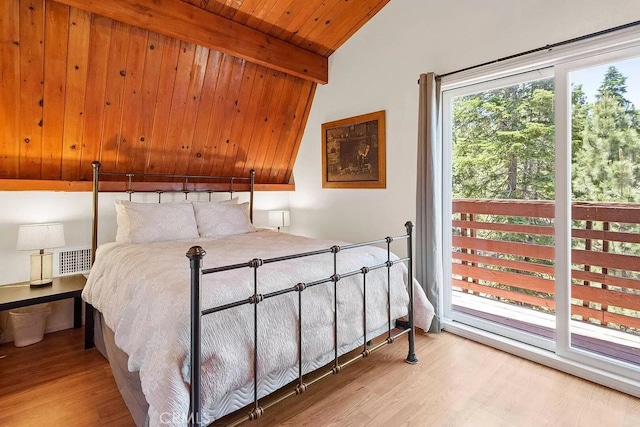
x=196 y=254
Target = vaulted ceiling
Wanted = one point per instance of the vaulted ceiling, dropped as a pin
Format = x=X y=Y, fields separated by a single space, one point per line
x=163 y=86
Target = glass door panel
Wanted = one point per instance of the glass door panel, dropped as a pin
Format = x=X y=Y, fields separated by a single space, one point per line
x=502 y=209
x=605 y=211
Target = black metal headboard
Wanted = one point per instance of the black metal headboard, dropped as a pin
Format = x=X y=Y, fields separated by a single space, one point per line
x=130 y=183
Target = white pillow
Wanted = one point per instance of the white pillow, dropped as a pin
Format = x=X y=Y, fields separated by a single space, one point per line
x=154 y=222
x=122 y=219
x=234 y=201
x=222 y=219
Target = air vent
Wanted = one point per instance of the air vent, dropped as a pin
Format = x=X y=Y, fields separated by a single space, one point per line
x=74 y=261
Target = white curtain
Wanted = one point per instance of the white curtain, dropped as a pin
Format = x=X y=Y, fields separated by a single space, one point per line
x=429 y=196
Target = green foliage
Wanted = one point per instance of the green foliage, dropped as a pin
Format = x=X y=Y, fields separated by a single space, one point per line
x=606 y=167
x=580 y=111
x=614 y=85
x=503 y=143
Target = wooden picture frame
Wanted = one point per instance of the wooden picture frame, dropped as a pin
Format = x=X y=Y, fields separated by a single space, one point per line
x=354 y=152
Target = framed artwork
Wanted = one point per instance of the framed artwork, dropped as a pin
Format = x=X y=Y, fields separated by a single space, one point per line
x=353 y=152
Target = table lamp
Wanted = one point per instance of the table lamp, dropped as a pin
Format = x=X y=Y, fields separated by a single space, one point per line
x=278 y=219
x=41 y=237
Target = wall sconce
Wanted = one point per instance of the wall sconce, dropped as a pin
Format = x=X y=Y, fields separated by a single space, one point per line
x=278 y=219
x=41 y=237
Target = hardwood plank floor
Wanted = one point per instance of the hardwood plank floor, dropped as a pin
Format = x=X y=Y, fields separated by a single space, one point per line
x=457 y=383
x=57 y=383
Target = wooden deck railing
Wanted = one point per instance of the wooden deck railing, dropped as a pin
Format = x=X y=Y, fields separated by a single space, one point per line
x=503 y=249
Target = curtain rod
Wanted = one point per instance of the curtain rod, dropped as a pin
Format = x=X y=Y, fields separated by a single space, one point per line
x=547 y=47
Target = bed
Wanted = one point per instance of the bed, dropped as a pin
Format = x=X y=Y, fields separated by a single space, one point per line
x=249 y=311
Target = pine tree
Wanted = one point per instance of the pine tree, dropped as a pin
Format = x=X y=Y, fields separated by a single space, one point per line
x=614 y=85
x=579 y=113
x=607 y=167
x=503 y=143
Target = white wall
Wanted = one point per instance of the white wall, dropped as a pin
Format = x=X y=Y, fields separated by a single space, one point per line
x=378 y=69
x=73 y=209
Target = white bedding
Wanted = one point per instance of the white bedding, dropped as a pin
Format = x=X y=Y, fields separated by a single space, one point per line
x=143 y=291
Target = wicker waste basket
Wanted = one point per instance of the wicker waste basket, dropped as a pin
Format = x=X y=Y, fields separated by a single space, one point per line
x=28 y=324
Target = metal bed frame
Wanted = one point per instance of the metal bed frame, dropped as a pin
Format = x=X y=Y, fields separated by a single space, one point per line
x=196 y=254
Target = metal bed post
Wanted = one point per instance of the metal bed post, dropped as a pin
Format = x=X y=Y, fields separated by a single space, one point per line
x=129 y=190
x=255 y=299
x=185 y=187
x=195 y=255
x=364 y=270
x=94 y=212
x=411 y=357
x=335 y=278
x=252 y=179
x=301 y=387
x=389 y=240
x=89 y=341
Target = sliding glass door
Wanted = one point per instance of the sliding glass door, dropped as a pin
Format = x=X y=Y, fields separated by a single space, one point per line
x=541 y=194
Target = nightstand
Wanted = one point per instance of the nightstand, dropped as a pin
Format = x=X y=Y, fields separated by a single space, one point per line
x=22 y=295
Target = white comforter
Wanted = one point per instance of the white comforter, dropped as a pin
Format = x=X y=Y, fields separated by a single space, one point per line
x=143 y=293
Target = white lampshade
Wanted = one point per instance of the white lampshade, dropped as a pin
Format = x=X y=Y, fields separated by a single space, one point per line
x=278 y=219
x=40 y=236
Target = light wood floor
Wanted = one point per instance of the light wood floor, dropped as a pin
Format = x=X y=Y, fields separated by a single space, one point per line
x=457 y=383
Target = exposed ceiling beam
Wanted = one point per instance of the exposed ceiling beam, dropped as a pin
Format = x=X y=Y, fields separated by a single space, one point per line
x=183 y=21
x=121 y=187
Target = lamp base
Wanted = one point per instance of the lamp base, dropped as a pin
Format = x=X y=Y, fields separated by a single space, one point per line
x=41 y=269
x=40 y=283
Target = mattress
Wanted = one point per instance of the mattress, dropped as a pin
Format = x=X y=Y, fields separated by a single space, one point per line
x=143 y=293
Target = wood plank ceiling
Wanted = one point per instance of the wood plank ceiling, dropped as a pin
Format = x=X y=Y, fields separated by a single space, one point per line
x=78 y=86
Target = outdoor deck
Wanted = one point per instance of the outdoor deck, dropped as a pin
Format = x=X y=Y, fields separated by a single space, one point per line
x=503 y=270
